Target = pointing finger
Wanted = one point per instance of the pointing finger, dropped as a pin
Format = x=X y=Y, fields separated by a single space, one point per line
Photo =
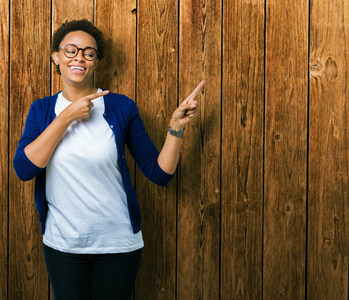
x=194 y=93
x=96 y=95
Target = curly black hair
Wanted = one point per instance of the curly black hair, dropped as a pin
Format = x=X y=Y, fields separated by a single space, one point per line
x=78 y=25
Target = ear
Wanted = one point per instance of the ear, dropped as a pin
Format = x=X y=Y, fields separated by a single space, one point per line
x=55 y=57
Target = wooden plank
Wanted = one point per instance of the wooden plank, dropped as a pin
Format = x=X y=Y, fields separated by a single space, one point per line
x=157 y=99
x=117 y=20
x=4 y=153
x=242 y=149
x=328 y=151
x=29 y=78
x=285 y=150
x=199 y=170
x=117 y=71
x=63 y=11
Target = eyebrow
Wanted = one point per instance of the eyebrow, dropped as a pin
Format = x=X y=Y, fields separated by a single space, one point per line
x=79 y=47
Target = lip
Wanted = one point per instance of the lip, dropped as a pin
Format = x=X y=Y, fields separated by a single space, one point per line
x=73 y=69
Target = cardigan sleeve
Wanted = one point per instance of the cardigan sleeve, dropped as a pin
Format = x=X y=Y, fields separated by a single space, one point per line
x=24 y=168
x=144 y=151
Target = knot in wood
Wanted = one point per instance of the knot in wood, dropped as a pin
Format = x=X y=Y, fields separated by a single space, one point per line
x=331 y=69
x=316 y=67
x=288 y=208
x=327 y=243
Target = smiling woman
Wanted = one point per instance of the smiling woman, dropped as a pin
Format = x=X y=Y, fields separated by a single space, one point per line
x=74 y=145
x=77 y=59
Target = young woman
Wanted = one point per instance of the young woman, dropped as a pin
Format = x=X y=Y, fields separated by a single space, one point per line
x=73 y=144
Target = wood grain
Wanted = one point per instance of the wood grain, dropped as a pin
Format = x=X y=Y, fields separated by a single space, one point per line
x=157 y=99
x=263 y=185
x=29 y=78
x=63 y=11
x=199 y=170
x=4 y=151
x=242 y=150
x=285 y=150
x=328 y=151
x=117 y=20
x=117 y=71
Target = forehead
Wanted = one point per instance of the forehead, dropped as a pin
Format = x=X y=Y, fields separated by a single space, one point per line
x=79 y=38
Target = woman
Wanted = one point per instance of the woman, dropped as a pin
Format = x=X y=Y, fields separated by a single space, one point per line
x=73 y=144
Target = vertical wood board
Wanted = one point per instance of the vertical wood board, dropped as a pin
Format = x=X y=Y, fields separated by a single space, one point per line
x=285 y=150
x=4 y=151
x=63 y=11
x=30 y=21
x=328 y=154
x=242 y=150
x=199 y=170
x=156 y=99
x=117 y=71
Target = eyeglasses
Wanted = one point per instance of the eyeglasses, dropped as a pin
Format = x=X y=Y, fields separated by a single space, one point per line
x=71 y=51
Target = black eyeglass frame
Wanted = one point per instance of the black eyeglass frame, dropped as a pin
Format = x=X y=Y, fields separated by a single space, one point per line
x=82 y=49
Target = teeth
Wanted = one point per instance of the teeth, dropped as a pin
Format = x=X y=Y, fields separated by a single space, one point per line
x=77 y=68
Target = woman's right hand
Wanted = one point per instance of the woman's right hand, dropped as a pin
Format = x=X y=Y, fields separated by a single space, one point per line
x=81 y=108
x=41 y=149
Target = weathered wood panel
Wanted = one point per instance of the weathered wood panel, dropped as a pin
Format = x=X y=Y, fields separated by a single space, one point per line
x=29 y=80
x=4 y=155
x=117 y=72
x=63 y=11
x=199 y=170
x=242 y=149
x=117 y=20
x=328 y=151
x=285 y=183
x=157 y=66
x=241 y=228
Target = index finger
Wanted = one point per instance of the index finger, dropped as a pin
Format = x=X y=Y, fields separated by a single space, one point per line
x=194 y=93
x=96 y=95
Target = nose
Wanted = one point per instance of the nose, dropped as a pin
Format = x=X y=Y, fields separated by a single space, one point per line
x=80 y=55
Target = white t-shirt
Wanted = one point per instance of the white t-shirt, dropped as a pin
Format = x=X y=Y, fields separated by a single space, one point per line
x=87 y=204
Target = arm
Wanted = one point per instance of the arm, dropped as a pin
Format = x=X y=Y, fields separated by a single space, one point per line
x=41 y=149
x=169 y=155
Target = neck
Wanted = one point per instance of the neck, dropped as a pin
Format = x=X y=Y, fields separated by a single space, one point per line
x=73 y=93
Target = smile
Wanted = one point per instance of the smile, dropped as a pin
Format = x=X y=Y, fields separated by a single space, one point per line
x=76 y=68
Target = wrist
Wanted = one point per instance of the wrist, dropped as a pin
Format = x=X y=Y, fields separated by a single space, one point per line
x=64 y=118
x=176 y=126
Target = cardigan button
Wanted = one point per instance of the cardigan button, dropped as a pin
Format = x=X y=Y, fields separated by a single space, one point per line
x=111 y=126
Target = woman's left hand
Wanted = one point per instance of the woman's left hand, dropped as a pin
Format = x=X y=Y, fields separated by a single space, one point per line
x=186 y=111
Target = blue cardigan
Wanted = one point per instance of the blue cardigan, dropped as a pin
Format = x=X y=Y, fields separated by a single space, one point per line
x=121 y=113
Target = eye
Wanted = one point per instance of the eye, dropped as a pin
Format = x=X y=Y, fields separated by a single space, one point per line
x=70 y=50
x=90 y=53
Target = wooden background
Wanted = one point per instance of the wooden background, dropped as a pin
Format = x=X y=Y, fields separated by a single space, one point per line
x=259 y=206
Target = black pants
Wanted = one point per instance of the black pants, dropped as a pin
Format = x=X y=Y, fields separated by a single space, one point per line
x=92 y=276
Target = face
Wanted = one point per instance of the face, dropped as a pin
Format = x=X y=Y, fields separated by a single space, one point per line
x=76 y=70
